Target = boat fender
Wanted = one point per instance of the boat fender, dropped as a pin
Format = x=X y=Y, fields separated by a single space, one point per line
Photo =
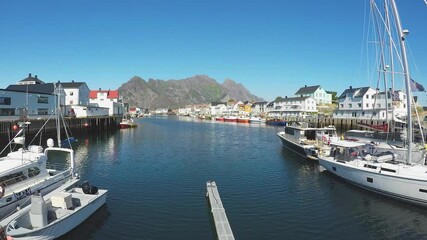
x=89 y=189
x=1 y=191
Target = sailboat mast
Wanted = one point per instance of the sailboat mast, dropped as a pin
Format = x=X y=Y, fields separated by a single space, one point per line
x=58 y=107
x=402 y=35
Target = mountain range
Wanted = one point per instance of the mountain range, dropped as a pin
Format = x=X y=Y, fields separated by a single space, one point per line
x=198 y=89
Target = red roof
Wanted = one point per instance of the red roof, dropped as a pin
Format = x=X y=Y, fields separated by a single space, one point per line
x=110 y=93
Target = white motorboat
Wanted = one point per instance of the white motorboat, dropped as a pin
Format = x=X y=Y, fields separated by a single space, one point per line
x=32 y=169
x=308 y=142
x=390 y=174
x=55 y=216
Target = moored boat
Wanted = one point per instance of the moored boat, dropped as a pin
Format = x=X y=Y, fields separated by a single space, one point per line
x=243 y=119
x=403 y=178
x=275 y=122
x=308 y=142
x=127 y=123
x=60 y=213
x=230 y=119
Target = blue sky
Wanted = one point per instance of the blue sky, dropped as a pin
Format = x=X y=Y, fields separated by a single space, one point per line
x=272 y=47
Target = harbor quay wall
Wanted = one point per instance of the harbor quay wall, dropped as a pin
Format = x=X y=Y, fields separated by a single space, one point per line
x=88 y=124
x=341 y=124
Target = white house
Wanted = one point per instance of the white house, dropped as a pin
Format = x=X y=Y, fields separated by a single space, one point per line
x=77 y=93
x=294 y=106
x=259 y=108
x=369 y=103
x=30 y=98
x=89 y=111
x=107 y=99
x=316 y=92
x=218 y=108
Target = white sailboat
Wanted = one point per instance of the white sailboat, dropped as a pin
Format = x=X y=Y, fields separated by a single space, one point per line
x=27 y=170
x=388 y=174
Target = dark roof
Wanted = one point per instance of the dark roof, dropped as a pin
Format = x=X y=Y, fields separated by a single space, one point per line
x=259 y=103
x=357 y=92
x=217 y=103
x=32 y=79
x=47 y=88
x=290 y=99
x=72 y=84
x=307 y=90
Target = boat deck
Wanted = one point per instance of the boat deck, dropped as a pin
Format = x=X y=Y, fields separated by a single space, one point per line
x=223 y=229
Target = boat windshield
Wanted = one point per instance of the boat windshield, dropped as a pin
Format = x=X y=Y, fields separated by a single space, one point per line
x=347 y=153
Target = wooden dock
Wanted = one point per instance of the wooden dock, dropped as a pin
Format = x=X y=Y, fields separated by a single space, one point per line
x=223 y=229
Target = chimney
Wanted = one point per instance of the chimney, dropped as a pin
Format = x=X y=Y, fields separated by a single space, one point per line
x=99 y=89
x=35 y=76
x=29 y=74
x=72 y=81
x=305 y=85
x=351 y=87
x=286 y=96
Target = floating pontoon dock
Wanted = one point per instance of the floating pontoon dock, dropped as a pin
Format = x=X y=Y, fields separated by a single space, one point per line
x=223 y=229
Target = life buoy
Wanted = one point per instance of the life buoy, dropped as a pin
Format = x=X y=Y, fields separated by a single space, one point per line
x=1 y=191
x=324 y=139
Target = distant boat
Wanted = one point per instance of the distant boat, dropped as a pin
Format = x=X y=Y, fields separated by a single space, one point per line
x=221 y=119
x=127 y=123
x=53 y=217
x=255 y=120
x=242 y=119
x=230 y=119
x=275 y=122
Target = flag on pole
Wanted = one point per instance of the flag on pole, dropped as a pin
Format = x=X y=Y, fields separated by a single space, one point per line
x=416 y=87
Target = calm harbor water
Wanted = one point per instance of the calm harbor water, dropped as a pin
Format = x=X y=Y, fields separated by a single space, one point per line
x=156 y=176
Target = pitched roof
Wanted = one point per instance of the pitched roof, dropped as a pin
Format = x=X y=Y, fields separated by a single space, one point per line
x=110 y=93
x=46 y=88
x=307 y=90
x=31 y=79
x=72 y=84
x=357 y=92
x=286 y=99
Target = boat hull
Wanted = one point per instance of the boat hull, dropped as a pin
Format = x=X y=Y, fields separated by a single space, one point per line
x=412 y=190
x=305 y=151
x=44 y=189
x=275 y=123
x=65 y=224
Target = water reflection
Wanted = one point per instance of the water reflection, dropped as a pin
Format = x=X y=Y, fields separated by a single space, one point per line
x=90 y=226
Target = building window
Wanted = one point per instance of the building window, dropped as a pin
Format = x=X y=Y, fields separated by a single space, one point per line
x=367 y=96
x=7 y=111
x=5 y=100
x=350 y=105
x=71 y=102
x=359 y=104
x=71 y=93
x=379 y=105
x=42 y=111
x=342 y=105
x=367 y=105
x=42 y=99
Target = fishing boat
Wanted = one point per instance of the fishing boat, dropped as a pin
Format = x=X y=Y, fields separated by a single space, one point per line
x=127 y=123
x=230 y=118
x=308 y=142
x=255 y=120
x=220 y=119
x=55 y=216
x=243 y=119
x=33 y=169
x=275 y=122
x=388 y=174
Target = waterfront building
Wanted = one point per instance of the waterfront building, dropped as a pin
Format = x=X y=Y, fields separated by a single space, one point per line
x=369 y=103
x=218 y=108
x=107 y=99
x=316 y=92
x=29 y=98
x=77 y=93
x=291 y=107
x=259 y=108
